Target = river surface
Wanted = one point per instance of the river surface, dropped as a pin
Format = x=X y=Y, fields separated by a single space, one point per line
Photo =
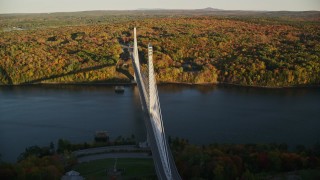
x=38 y=115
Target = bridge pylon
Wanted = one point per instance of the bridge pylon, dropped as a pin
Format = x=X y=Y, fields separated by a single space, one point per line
x=156 y=138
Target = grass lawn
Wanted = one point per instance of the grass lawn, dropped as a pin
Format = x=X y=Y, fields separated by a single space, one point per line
x=308 y=174
x=134 y=168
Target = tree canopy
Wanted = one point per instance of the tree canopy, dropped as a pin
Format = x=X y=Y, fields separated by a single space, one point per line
x=244 y=50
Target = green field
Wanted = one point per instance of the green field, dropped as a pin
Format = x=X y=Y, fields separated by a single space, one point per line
x=310 y=174
x=134 y=168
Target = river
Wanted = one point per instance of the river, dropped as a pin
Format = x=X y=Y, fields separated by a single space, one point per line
x=39 y=114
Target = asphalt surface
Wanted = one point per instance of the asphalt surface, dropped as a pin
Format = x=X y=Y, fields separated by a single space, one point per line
x=112 y=155
x=106 y=149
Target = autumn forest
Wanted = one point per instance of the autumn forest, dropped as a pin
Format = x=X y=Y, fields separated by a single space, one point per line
x=267 y=50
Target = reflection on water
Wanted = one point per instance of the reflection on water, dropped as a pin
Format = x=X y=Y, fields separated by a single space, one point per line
x=39 y=114
x=289 y=92
x=229 y=114
x=174 y=88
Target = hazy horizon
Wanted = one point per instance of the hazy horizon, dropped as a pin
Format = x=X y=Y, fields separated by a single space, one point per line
x=51 y=6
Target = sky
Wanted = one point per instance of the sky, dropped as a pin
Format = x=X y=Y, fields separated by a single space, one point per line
x=44 y=6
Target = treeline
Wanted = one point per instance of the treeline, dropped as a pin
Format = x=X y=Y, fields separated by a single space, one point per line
x=241 y=161
x=67 y=146
x=36 y=162
x=214 y=161
x=50 y=162
x=249 y=51
x=47 y=167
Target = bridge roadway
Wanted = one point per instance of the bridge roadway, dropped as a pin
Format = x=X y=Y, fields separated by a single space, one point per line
x=160 y=168
x=156 y=153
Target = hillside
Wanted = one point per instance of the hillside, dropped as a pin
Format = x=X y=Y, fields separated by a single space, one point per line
x=269 y=49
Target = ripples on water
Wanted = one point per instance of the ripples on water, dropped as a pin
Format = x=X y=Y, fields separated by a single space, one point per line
x=37 y=115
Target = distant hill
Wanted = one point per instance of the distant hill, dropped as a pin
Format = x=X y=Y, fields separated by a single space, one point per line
x=104 y=15
x=159 y=9
x=150 y=9
x=210 y=9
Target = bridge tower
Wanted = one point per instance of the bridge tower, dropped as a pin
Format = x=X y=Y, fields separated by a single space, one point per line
x=152 y=83
x=136 y=52
x=164 y=163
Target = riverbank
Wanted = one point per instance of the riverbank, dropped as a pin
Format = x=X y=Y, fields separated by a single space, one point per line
x=239 y=85
x=231 y=161
x=166 y=83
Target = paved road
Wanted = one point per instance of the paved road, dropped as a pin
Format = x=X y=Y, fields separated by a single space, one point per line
x=107 y=149
x=112 y=155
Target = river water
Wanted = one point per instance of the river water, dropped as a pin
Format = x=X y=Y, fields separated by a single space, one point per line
x=37 y=115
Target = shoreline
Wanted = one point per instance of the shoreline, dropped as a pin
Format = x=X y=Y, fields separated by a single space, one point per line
x=166 y=83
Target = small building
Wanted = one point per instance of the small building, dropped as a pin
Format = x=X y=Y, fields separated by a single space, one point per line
x=143 y=144
x=101 y=136
x=119 y=89
x=72 y=175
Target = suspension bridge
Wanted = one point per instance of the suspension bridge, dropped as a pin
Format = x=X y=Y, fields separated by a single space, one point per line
x=162 y=156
